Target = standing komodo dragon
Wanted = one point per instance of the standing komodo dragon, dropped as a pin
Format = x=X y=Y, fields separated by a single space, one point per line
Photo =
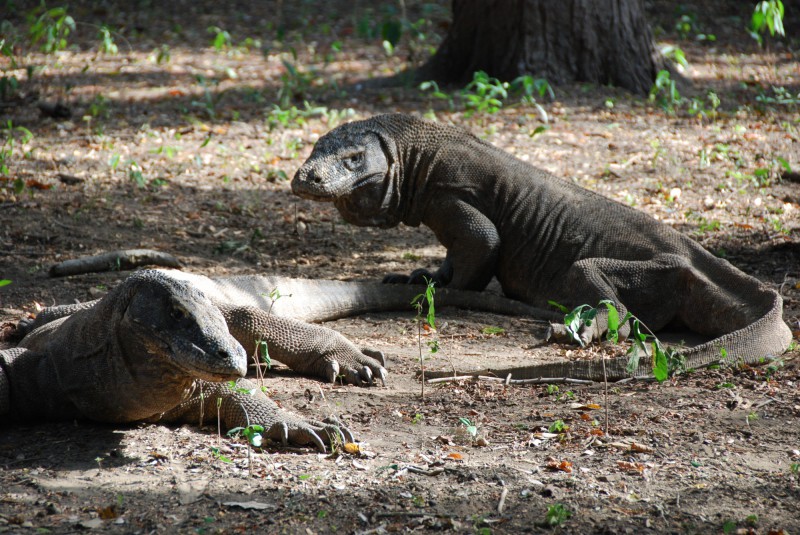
x=149 y=348
x=542 y=237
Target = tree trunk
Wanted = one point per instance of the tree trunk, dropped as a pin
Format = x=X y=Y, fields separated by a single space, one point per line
x=598 y=41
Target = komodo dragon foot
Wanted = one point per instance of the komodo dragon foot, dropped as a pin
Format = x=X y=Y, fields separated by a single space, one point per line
x=245 y=404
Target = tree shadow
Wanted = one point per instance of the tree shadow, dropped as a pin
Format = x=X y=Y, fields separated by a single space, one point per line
x=61 y=446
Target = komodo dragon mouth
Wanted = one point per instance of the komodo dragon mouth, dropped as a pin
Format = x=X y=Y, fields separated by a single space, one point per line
x=212 y=364
x=366 y=181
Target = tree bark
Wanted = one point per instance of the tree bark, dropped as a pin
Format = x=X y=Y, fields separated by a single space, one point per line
x=598 y=41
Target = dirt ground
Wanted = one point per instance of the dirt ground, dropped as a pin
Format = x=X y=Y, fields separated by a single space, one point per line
x=177 y=146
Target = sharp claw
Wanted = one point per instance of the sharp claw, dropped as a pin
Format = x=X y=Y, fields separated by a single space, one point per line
x=550 y=335
x=374 y=353
x=352 y=377
x=332 y=371
x=348 y=436
x=366 y=375
x=382 y=374
x=317 y=441
x=284 y=433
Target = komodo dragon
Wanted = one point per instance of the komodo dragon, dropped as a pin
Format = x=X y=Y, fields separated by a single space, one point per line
x=542 y=237
x=149 y=348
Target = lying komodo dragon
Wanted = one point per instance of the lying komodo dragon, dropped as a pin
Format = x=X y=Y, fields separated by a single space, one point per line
x=149 y=348
x=542 y=237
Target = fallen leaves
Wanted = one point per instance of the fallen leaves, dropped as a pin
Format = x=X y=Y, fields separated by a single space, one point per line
x=631 y=467
x=555 y=464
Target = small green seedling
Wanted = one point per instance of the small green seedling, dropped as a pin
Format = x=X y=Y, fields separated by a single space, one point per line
x=558 y=427
x=492 y=330
x=218 y=455
x=430 y=319
x=557 y=514
x=470 y=427
x=665 y=361
x=252 y=433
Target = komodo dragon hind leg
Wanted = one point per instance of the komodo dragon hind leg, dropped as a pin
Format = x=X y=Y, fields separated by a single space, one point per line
x=652 y=290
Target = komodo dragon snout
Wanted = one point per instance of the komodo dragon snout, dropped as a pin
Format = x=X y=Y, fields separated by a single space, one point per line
x=178 y=324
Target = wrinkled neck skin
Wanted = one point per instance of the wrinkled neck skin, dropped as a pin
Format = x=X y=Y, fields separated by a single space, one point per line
x=396 y=199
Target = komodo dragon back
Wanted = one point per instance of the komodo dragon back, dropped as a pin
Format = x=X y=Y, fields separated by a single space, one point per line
x=542 y=237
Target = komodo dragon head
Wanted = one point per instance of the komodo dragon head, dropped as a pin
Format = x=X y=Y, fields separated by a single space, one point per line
x=140 y=350
x=356 y=167
x=178 y=325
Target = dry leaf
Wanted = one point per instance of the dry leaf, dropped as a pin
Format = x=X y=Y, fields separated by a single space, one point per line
x=631 y=467
x=35 y=184
x=455 y=456
x=352 y=448
x=640 y=448
x=252 y=505
x=585 y=406
x=564 y=466
x=108 y=513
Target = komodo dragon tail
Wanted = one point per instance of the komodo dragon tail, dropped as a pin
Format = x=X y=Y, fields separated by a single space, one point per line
x=765 y=338
x=324 y=300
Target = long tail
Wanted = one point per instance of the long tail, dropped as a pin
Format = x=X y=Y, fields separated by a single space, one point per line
x=323 y=300
x=767 y=337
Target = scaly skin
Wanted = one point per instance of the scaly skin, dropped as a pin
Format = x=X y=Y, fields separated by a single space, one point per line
x=542 y=237
x=144 y=352
x=150 y=347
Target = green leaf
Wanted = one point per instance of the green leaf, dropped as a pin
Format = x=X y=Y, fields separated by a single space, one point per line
x=613 y=320
x=391 y=31
x=660 y=363
x=216 y=453
x=493 y=330
x=559 y=306
x=539 y=130
x=4 y=282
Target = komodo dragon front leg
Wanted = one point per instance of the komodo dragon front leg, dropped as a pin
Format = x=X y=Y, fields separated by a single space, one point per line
x=247 y=404
x=305 y=347
x=473 y=248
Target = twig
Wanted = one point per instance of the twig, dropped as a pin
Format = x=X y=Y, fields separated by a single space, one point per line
x=502 y=504
x=424 y=472
x=389 y=514
x=506 y=380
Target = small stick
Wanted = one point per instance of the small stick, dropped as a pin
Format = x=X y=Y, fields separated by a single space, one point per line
x=502 y=504
x=511 y=381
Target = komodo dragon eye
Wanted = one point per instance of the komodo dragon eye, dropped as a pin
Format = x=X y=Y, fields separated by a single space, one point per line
x=351 y=161
x=177 y=313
